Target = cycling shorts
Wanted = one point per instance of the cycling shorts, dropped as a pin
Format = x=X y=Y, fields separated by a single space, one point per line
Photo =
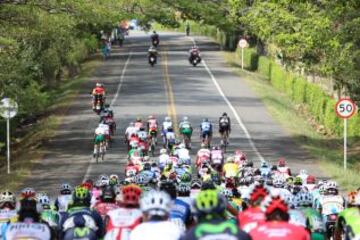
x=206 y=133
x=186 y=131
x=223 y=129
x=99 y=139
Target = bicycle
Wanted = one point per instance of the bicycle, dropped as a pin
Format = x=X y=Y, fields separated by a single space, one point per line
x=206 y=138
x=224 y=140
x=99 y=152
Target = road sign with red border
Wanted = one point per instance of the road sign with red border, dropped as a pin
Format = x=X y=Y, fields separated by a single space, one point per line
x=345 y=108
x=243 y=43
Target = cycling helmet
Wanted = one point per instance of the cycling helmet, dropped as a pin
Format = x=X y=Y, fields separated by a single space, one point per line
x=89 y=184
x=230 y=159
x=131 y=194
x=279 y=182
x=298 y=181
x=183 y=188
x=167 y=119
x=99 y=85
x=310 y=179
x=146 y=159
x=351 y=198
x=305 y=199
x=180 y=162
x=28 y=193
x=131 y=124
x=203 y=145
x=224 y=114
x=209 y=202
x=156 y=203
x=108 y=194
x=257 y=193
x=7 y=197
x=331 y=185
x=185 y=119
x=215 y=177
x=151 y=117
x=205 y=120
x=272 y=203
x=264 y=164
x=195 y=184
x=65 y=189
x=303 y=172
x=227 y=193
x=140 y=180
x=44 y=200
x=114 y=179
x=163 y=151
x=147 y=167
x=81 y=195
x=322 y=189
x=281 y=162
x=169 y=187
x=248 y=163
x=138 y=119
x=185 y=177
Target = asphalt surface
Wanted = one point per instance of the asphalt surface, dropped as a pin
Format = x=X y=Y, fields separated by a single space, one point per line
x=174 y=88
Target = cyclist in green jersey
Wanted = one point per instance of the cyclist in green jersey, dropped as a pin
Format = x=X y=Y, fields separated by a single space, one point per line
x=99 y=141
x=314 y=219
x=348 y=223
x=186 y=131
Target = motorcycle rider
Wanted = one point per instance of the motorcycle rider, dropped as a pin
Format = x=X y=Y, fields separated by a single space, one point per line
x=121 y=221
x=206 y=131
x=212 y=222
x=194 y=52
x=224 y=127
x=156 y=206
x=155 y=39
x=98 y=93
x=276 y=225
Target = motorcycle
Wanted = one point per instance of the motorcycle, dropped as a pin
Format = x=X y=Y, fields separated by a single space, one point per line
x=195 y=60
x=99 y=104
x=152 y=60
x=155 y=42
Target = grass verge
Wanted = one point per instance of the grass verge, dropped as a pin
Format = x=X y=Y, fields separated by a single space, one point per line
x=297 y=121
x=30 y=148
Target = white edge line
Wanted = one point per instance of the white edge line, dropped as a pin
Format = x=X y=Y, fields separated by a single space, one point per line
x=242 y=125
x=92 y=160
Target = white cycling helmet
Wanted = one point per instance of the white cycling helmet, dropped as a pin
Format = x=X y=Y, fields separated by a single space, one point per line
x=156 y=203
x=131 y=124
x=44 y=200
x=305 y=198
x=331 y=185
x=167 y=119
x=163 y=151
x=303 y=172
x=182 y=145
x=185 y=119
x=7 y=196
x=279 y=182
x=99 y=84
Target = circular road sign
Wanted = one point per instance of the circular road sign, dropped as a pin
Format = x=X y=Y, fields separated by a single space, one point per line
x=8 y=108
x=243 y=43
x=345 y=108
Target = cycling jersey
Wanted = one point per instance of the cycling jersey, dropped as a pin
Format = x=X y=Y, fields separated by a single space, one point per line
x=184 y=154
x=142 y=135
x=279 y=231
x=27 y=231
x=167 y=125
x=224 y=124
x=121 y=222
x=297 y=218
x=331 y=204
x=206 y=128
x=216 y=229
x=230 y=170
x=103 y=208
x=152 y=124
x=314 y=219
x=351 y=218
x=180 y=213
x=105 y=127
x=6 y=216
x=138 y=125
x=155 y=230
x=62 y=202
x=163 y=158
x=217 y=156
x=130 y=131
x=185 y=128
x=250 y=218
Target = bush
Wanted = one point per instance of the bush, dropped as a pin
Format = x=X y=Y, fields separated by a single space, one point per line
x=264 y=66
x=250 y=58
x=331 y=121
x=353 y=126
x=299 y=90
x=289 y=84
x=278 y=77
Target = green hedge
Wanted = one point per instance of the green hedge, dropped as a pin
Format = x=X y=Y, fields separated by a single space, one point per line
x=264 y=66
x=251 y=58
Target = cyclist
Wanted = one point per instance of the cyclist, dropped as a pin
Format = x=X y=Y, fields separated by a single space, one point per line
x=276 y=225
x=240 y=157
x=138 y=123
x=230 y=168
x=64 y=198
x=183 y=154
x=253 y=215
x=28 y=225
x=212 y=223
x=107 y=201
x=47 y=214
x=217 y=158
x=120 y=222
x=156 y=206
x=98 y=94
x=107 y=111
x=186 y=131
x=8 y=213
x=99 y=140
x=282 y=168
x=152 y=127
x=348 y=222
x=165 y=125
x=170 y=139
x=163 y=158
x=206 y=131
x=203 y=155
x=80 y=218
x=180 y=212
x=130 y=130
x=224 y=128
x=314 y=218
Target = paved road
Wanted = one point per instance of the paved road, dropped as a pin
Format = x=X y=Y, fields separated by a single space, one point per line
x=173 y=88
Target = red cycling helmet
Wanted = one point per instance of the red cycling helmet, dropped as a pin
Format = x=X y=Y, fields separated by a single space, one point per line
x=131 y=195
x=272 y=203
x=88 y=185
x=281 y=162
x=28 y=193
x=310 y=180
x=258 y=192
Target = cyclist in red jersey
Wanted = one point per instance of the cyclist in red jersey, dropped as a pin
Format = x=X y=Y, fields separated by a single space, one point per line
x=276 y=225
x=250 y=218
x=107 y=201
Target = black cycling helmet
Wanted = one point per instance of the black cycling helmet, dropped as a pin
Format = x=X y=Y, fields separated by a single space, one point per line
x=108 y=194
x=147 y=166
x=169 y=187
x=205 y=120
x=224 y=114
x=107 y=105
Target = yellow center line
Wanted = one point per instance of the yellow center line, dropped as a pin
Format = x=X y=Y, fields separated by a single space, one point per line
x=171 y=109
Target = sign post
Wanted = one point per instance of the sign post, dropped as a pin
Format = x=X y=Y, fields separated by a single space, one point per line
x=8 y=110
x=345 y=108
x=242 y=44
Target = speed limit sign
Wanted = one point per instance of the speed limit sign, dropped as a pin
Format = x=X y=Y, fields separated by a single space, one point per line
x=345 y=108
